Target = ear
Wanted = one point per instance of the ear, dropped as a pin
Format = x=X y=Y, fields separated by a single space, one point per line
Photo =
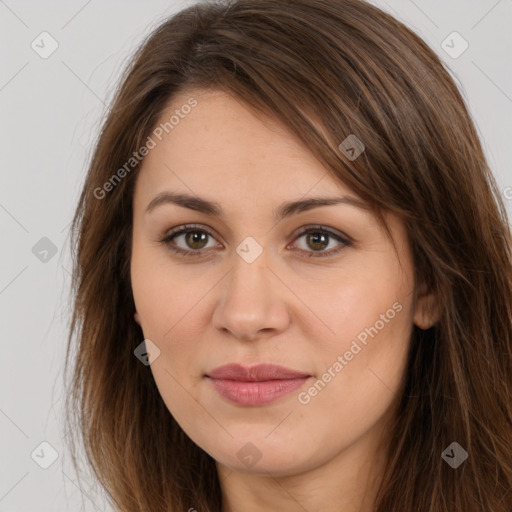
x=427 y=310
x=137 y=317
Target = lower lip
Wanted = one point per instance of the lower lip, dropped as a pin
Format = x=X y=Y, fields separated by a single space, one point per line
x=256 y=393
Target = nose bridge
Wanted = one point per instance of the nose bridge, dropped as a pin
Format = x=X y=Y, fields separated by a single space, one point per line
x=250 y=260
x=249 y=276
x=251 y=299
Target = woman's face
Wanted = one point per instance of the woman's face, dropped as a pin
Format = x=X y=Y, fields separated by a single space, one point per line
x=254 y=289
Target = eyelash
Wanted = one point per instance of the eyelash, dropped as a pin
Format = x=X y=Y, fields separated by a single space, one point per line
x=311 y=254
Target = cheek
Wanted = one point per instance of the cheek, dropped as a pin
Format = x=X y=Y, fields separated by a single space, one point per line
x=169 y=304
x=356 y=306
x=164 y=293
x=360 y=369
x=362 y=358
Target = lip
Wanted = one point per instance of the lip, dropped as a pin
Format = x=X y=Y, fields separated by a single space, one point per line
x=255 y=385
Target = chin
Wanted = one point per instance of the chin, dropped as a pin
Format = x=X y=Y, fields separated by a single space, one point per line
x=263 y=457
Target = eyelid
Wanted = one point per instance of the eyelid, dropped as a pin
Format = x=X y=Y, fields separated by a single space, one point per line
x=188 y=227
x=342 y=238
x=320 y=227
x=182 y=229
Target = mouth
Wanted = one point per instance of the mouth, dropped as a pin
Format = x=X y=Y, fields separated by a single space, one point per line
x=255 y=385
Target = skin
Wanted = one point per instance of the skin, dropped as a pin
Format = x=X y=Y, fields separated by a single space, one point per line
x=285 y=308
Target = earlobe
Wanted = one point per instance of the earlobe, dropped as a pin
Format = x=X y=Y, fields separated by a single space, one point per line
x=426 y=312
x=137 y=317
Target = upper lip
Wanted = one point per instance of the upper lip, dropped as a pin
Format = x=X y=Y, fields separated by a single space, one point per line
x=259 y=372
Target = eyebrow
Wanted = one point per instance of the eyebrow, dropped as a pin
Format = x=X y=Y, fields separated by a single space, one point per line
x=285 y=210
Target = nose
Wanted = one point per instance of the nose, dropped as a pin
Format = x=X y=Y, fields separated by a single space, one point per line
x=252 y=301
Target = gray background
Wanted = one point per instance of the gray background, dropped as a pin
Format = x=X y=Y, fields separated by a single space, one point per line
x=50 y=111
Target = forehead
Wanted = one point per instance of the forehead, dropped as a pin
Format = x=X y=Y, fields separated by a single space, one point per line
x=223 y=145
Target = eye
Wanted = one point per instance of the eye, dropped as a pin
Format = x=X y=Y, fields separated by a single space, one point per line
x=193 y=237
x=319 y=238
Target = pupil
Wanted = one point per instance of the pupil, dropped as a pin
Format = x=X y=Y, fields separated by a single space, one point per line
x=318 y=239
x=194 y=237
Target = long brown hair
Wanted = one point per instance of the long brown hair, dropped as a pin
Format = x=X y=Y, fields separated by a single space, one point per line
x=327 y=69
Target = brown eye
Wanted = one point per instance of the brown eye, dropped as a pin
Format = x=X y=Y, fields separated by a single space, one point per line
x=189 y=240
x=317 y=239
x=196 y=239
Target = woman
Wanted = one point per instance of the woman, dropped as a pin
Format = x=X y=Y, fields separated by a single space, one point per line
x=293 y=273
